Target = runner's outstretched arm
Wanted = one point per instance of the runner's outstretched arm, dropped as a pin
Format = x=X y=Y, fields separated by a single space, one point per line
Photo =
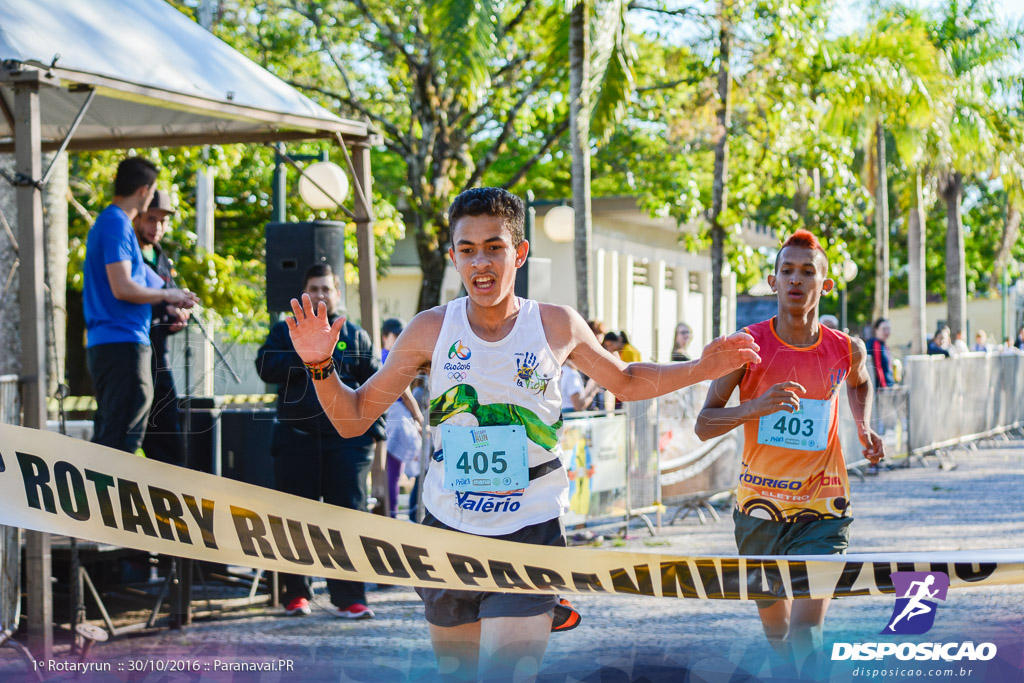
x=859 y=391
x=638 y=381
x=353 y=411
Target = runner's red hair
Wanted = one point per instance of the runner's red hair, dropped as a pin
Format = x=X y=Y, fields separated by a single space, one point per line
x=804 y=239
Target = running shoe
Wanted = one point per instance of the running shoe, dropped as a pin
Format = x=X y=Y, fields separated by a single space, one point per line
x=299 y=607
x=354 y=611
x=566 y=617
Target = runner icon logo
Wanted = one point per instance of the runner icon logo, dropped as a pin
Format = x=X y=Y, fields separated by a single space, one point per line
x=915 y=608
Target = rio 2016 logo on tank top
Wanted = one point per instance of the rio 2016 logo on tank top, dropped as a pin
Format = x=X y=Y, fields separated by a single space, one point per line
x=459 y=350
x=527 y=375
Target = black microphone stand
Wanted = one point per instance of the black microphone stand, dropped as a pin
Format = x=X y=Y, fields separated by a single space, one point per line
x=182 y=597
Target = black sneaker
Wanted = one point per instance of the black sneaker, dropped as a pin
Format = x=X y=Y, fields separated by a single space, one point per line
x=566 y=618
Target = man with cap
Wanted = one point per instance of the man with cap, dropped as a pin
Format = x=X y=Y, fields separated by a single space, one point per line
x=163 y=440
x=116 y=297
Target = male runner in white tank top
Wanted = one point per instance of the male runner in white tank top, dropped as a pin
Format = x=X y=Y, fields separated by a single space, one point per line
x=494 y=360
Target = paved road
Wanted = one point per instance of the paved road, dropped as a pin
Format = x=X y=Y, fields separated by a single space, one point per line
x=977 y=505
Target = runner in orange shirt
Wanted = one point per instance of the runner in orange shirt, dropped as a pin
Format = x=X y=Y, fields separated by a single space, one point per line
x=793 y=496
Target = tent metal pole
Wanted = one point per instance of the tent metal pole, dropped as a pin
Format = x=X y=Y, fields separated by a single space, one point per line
x=28 y=164
x=67 y=138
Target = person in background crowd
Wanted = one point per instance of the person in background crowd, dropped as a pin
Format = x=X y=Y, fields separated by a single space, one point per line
x=881 y=357
x=958 y=346
x=598 y=328
x=311 y=459
x=619 y=343
x=829 y=321
x=163 y=441
x=981 y=341
x=1019 y=341
x=938 y=345
x=576 y=396
x=683 y=336
x=404 y=423
x=119 y=290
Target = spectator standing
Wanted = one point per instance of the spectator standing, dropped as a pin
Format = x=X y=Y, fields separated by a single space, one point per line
x=881 y=357
x=958 y=346
x=1019 y=341
x=118 y=293
x=404 y=424
x=163 y=440
x=619 y=343
x=576 y=396
x=683 y=336
x=829 y=321
x=981 y=342
x=310 y=458
x=938 y=344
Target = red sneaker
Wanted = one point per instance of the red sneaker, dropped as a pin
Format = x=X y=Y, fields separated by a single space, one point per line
x=354 y=611
x=566 y=618
x=299 y=607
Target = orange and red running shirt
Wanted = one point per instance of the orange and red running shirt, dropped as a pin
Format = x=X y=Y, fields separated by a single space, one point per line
x=788 y=484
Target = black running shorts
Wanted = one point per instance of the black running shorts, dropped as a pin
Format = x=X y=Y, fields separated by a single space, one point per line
x=448 y=607
x=756 y=536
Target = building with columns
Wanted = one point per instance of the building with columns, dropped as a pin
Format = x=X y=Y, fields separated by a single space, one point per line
x=645 y=281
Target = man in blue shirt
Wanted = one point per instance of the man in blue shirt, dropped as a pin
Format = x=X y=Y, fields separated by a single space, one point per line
x=118 y=293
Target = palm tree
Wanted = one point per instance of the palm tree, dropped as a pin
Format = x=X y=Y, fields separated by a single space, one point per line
x=886 y=79
x=723 y=117
x=975 y=46
x=600 y=83
x=579 y=127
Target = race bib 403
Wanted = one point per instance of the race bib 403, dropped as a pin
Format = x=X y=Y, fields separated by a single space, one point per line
x=804 y=430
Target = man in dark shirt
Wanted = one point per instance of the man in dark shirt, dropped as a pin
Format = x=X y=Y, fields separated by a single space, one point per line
x=310 y=458
x=163 y=441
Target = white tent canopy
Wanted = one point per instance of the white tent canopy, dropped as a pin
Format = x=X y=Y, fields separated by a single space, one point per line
x=160 y=79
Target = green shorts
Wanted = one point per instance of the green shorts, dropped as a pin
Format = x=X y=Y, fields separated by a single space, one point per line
x=755 y=536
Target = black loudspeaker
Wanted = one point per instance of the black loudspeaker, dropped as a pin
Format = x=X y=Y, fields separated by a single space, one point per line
x=291 y=249
x=245 y=446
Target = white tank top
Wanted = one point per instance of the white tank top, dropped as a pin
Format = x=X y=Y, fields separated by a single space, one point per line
x=514 y=381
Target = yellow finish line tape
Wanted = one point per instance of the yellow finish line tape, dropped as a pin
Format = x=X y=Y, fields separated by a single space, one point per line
x=61 y=485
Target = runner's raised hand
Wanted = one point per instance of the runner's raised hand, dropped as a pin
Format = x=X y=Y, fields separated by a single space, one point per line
x=312 y=334
x=725 y=354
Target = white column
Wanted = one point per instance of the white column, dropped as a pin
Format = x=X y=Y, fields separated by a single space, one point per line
x=600 y=277
x=730 y=294
x=705 y=286
x=625 y=318
x=657 y=274
x=612 y=290
x=681 y=278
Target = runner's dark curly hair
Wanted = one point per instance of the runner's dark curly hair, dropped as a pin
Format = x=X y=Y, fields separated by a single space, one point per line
x=489 y=201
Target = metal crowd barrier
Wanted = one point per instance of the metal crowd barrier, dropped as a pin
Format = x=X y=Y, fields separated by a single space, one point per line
x=889 y=419
x=642 y=462
x=594 y=446
x=961 y=399
x=692 y=471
